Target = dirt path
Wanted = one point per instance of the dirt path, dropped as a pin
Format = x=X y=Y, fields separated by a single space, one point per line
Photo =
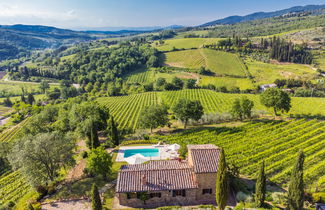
x=68 y=205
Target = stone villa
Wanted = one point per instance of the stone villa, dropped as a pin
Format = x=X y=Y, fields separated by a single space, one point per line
x=171 y=182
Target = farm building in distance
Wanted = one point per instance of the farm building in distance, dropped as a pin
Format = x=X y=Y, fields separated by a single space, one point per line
x=171 y=182
x=267 y=86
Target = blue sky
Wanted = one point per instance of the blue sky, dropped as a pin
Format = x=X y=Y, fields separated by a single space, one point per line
x=132 y=13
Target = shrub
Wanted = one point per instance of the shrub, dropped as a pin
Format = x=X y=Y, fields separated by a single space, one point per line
x=279 y=197
x=124 y=143
x=84 y=154
x=207 y=207
x=240 y=196
x=11 y=204
x=41 y=190
x=319 y=197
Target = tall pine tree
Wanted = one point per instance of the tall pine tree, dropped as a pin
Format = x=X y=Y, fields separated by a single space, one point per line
x=113 y=131
x=296 y=184
x=96 y=203
x=222 y=182
x=260 y=187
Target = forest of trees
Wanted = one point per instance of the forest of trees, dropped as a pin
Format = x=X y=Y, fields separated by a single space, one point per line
x=102 y=65
x=277 y=48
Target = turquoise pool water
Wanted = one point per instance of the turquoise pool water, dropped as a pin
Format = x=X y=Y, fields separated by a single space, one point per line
x=145 y=152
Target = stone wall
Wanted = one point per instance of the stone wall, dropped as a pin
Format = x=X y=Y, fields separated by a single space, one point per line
x=166 y=199
x=206 y=181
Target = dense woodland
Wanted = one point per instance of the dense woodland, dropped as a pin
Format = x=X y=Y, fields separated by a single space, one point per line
x=93 y=65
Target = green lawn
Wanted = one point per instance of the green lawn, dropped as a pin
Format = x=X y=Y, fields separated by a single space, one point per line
x=186 y=43
x=265 y=73
x=221 y=63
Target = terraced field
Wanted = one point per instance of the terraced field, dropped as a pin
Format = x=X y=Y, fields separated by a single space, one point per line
x=221 y=63
x=126 y=109
x=275 y=142
x=13 y=185
x=185 y=43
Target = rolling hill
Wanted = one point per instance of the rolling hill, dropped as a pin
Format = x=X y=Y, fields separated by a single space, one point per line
x=315 y=9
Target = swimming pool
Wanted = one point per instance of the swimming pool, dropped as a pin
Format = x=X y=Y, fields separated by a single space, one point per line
x=150 y=152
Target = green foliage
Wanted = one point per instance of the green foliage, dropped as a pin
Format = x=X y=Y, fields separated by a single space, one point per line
x=178 y=83
x=190 y=84
x=91 y=66
x=222 y=182
x=7 y=102
x=186 y=109
x=260 y=189
x=296 y=185
x=99 y=162
x=96 y=203
x=277 y=99
x=30 y=99
x=40 y=157
x=154 y=116
x=242 y=108
x=43 y=86
x=267 y=26
x=113 y=131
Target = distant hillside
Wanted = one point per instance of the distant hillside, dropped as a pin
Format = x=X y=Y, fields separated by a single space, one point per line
x=18 y=40
x=316 y=9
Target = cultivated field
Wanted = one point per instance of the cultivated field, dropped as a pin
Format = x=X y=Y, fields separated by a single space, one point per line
x=265 y=73
x=219 y=62
x=229 y=82
x=185 y=43
x=275 y=142
x=13 y=185
x=126 y=109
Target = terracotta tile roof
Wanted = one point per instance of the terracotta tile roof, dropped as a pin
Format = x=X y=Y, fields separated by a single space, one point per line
x=156 y=176
x=205 y=158
x=202 y=146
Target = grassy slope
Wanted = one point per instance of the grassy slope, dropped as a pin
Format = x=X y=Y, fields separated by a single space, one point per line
x=221 y=63
x=267 y=73
x=186 y=43
x=15 y=86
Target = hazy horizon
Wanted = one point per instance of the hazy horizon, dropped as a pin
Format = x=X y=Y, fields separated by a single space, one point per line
x=87 y=14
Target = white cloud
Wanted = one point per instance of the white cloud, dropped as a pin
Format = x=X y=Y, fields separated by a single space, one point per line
x=14 y=14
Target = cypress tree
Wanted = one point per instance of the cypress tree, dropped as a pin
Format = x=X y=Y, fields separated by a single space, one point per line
x=30 y=99
x=94 y=136
x=296 y=184
x=96 y=203
x=260 y=189
x=113 y=132
x=222 y=182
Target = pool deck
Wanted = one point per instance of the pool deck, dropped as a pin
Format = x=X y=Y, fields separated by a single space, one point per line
x=164 y=152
